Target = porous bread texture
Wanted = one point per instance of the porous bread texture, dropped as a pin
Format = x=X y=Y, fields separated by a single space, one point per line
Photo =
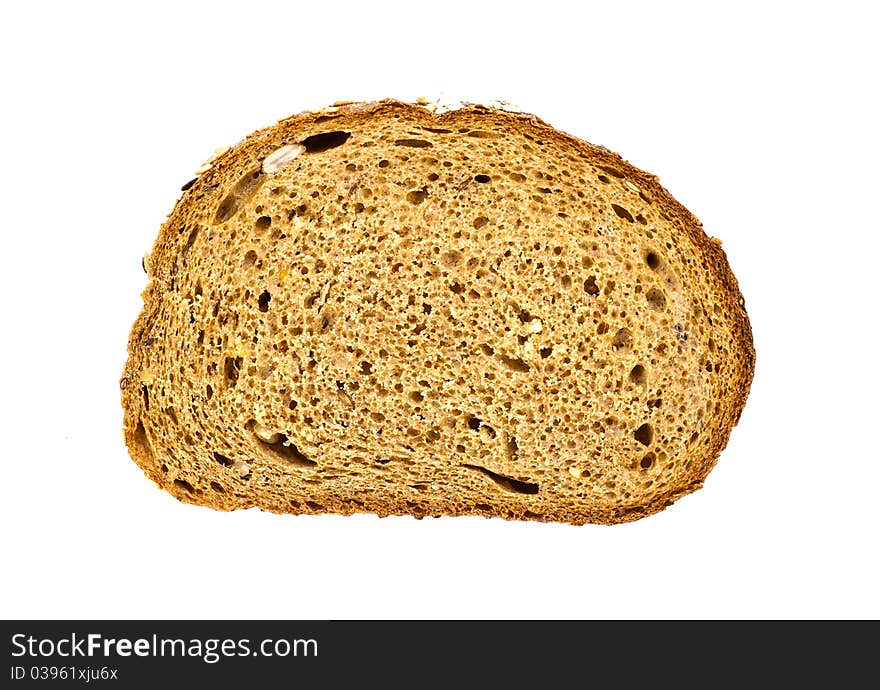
x=376 y=308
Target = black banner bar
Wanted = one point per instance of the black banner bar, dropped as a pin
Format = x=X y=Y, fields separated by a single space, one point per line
x=133 y=653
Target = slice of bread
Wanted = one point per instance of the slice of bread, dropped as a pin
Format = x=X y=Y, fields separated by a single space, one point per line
x=378 y=308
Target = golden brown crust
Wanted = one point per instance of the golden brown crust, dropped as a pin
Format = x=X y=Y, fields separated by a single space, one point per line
x=205 y=193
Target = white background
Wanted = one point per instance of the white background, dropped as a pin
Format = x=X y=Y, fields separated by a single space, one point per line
x=759 y=117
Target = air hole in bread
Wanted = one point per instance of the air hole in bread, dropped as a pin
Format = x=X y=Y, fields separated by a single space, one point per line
x=417 y=196
x=638 y=375
x=546 y=351
x=590 y=286
x=437 y=130
x=249 y=183
x=222 y=459
x=614 y=172
x=263 y=300
x=644 y=434
x=249 y=259
x=507 y=483
x=623 y=213
x=314 y=505
x=280 y=446
x=244 y=189
x=317 y=143
x=482 y=179
x=263 y=222
x=218 y=488
x=511 y=448
x=623 y=340
x=231 y=370
x=366 y=368
x=656 y=299
x=191 y=239
x=482 y=134
x=514 y=363
x=647 y=461
x=185 y=485
x=226 y=209
x=310 y=301
x=146 y=393
x=414 y=143
x=652 y=260
x=140 y=439
x=451 y=258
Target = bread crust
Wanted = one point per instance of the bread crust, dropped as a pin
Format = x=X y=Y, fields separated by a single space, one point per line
x=162 y=267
